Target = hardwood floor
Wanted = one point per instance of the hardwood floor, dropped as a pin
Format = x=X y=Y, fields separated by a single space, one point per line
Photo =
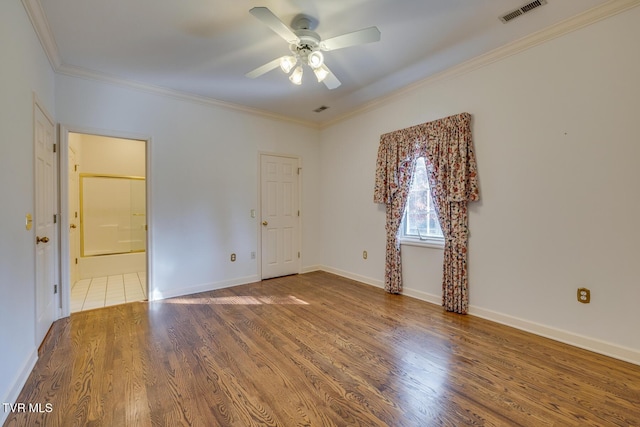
x=315 y=350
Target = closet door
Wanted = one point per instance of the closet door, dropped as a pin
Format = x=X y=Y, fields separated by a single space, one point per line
x=280 y=236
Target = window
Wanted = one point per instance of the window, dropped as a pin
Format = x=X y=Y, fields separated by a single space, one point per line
x=420 y=222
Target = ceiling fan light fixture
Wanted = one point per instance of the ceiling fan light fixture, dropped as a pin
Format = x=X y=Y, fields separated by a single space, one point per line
x=315 y=59
x=296 y=76
x=306 y=46
x=287 y=63
x=321 y=72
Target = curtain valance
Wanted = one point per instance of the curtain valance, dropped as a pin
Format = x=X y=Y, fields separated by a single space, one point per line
x=448 y=146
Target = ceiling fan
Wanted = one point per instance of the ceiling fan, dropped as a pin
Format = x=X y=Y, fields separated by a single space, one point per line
x=306 y=46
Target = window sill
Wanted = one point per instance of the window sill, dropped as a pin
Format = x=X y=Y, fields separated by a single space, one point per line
x=427 y=243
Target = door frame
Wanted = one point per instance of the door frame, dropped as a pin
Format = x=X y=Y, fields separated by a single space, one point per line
x=71 y=172
x=259 y=204
x=65 y=130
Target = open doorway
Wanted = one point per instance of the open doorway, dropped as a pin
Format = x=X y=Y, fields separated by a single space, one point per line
x=107 y=220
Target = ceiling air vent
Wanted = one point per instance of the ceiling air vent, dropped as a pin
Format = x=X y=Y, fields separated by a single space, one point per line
x=320 y=109
x=522 y=10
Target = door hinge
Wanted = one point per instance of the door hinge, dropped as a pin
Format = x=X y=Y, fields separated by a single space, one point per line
x=298 y=254
x=76 y=260
x=298 y=213
x=55 y=289
x=299 y=169
x=75 y=168
x=55 y=147
x=55 y=218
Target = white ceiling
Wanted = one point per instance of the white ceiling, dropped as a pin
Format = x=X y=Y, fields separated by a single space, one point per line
x=205 y=47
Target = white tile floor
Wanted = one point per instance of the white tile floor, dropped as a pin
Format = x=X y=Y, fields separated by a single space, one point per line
x=87 y=294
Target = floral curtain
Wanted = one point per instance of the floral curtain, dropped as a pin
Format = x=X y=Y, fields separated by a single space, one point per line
x=448 y=147
x=396 y=156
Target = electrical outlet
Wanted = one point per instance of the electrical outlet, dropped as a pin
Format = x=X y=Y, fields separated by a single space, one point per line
x=233 y=257
x=253 y=255
x=364 y=254
x=584 y=295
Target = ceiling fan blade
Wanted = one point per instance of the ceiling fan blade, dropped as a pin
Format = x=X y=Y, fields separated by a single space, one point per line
x=366 y=35
x=273 y=22
x=331 y=81
x=264 y=68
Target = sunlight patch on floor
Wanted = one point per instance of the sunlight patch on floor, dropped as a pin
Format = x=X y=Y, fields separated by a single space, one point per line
x=237 y=300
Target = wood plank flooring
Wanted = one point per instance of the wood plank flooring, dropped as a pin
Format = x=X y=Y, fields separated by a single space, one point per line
x=315 y=350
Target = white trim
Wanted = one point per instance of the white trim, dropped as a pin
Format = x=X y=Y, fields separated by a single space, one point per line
x=18 y=383
x=580 y=341
x=65 y=274
x=41 y=26
x=63 y=184
x=423 y=296
x=363 y=279
x=598 y=346
x=310 y=269
x=205 y=287
x=300 y=213
x=426 y=243
x=595 y=14
x=84 y=73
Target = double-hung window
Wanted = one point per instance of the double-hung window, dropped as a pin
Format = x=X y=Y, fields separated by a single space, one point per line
x=420 y=223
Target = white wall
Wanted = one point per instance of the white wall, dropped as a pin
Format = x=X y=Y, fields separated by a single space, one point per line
x=204 y=179
x=114 y=156
x=555 y=131
x=24 y=70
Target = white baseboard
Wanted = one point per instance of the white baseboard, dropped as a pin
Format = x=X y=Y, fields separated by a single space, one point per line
x=597 y=346
x=205 y=287
x=19 y=382
x=310 y=269
x=353 y=276
x=424 y=296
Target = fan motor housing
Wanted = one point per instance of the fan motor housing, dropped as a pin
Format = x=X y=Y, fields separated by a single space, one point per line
x=304 y=22
x=309 y=42
x=308 y=37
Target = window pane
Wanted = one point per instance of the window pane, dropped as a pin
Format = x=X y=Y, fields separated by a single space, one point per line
x=421 y=219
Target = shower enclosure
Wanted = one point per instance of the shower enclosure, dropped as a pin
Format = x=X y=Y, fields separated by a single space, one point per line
x=112 y=215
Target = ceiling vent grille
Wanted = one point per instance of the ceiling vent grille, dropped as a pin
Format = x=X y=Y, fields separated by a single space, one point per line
x=522 y=10
x=320 y=109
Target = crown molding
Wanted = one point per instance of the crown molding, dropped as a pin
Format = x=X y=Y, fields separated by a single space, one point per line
x=591 y=16
x=87 y=74
x=613 y=7
x=41 y=26
x=43 y=31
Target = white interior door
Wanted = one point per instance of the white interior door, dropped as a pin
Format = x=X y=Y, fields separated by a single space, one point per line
x=46 y=173
x=74 y=216
x=280 y=216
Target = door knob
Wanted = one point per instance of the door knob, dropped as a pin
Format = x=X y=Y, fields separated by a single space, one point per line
x=72 y=226
x=265 y=223
x=41 y=239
